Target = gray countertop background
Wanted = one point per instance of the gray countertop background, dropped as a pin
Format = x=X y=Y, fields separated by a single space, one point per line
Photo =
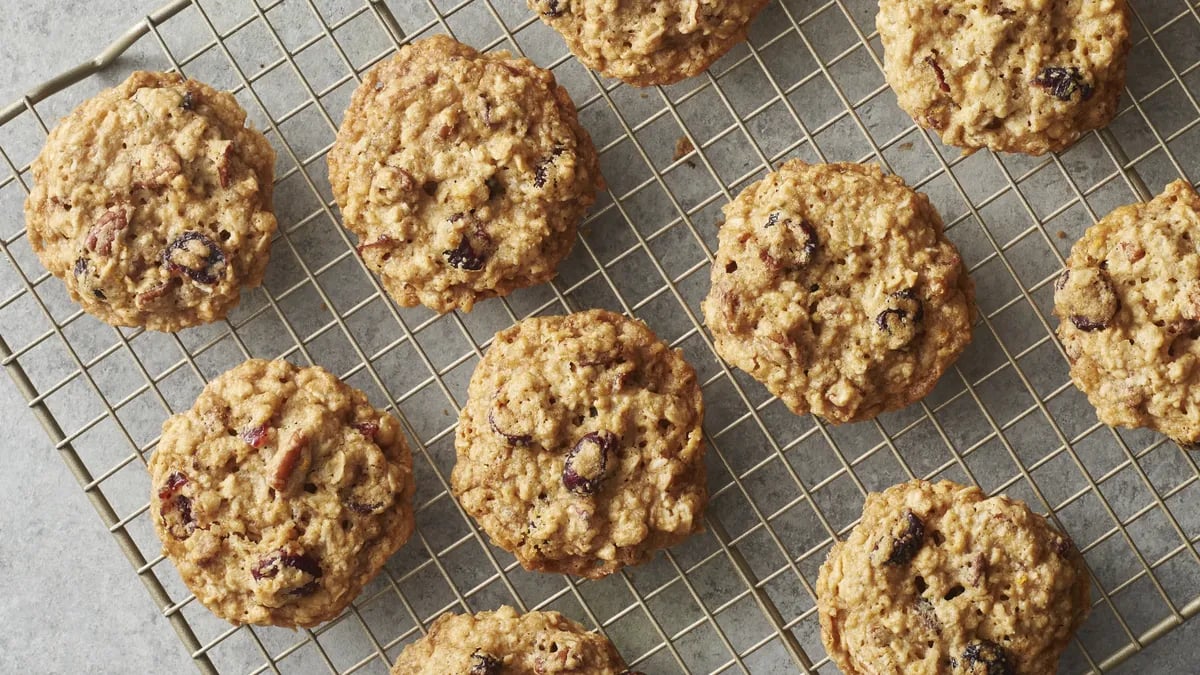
x=68 y=599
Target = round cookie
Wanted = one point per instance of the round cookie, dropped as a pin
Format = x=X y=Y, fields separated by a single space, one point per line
x=152 y=202
x=835 y=286
x=646 y=43
x=280 y=494
x=464 y=175
x=507 y=643
x=1011 y=75
x=938 y=579
x=1129 y=310
x=580 y=448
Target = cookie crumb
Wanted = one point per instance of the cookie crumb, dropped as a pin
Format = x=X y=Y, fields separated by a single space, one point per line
x=683 y=147
x=1061 y=234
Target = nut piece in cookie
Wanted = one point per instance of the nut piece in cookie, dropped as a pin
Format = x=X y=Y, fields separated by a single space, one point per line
x=503 y=641
x=152 y=202
x=280 y=494
x=1053 y=70
x=937 y=578
x=835 y=287
x=479 y=191
x=649 y=42
x=1129 y=309
x=580 y=447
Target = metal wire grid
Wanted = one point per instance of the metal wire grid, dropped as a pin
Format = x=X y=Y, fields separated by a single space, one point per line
x=739 y=597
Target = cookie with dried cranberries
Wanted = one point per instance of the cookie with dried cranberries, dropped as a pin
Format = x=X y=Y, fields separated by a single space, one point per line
x=280 y=494
x=579 y=449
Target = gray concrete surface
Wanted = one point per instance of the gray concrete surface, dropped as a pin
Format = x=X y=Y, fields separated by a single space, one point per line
x=69 y=601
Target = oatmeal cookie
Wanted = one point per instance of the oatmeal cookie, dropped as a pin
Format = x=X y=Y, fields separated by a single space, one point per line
x=646 y=43
x=280 y=494
x=1129 y=310
x=1011 y=75
x=464 y=175
x=152 y=202
x=506 y=643
x=579 y=448
x=937 y=579
x=835 y=286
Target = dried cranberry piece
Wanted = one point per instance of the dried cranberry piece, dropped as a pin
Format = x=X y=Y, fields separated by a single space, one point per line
x=203 y=267
x=464 y=257
x=81 y=267
x=791 y=247
x=483 y=663
x=189 y=100
x=1062 y=83
x=906 y=545
x=175 y=480
x=901 y=318
x=307 y=589
x=186 y=524
x=985 y=657
x=270 y=565
x=362 y=507
x=515 y=439
x=1087 y=325
x=255 y=437
x=383 y=240
x=368 y=429
x=552 y=9
x=540 y=174
x=606 y=443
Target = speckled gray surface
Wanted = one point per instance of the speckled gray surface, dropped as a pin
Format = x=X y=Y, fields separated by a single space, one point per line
x=70 y=601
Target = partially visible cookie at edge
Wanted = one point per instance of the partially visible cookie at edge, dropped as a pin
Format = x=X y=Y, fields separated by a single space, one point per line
x=1129 y=310
x=1010 y=75
x=836 y=287
x=647 y=43
x=152 y=202
x=504 y=642
x=938 y=579
x=580 y=447
x=280 y=494
x=464 y=175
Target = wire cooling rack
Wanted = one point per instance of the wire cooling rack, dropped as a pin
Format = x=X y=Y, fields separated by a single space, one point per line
x=740 y=596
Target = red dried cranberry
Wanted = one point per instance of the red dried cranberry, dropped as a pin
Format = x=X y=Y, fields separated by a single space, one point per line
x=464 y=257
x=81 y=267
x=186 y=525
x=270 y=565
x=906 y=545
x=368 y=429
x=541 y=172
x=211 y=264
x=902 y=317
x=606 y=443
x=515 y=439
x=552 y=9
x=363 y=508
x=175 y=480
x=941 y=74
x=483 y=663
x=985 y=657
x=1062 y=83
x=255 y=437
x=189 y=100
x=1087 y=325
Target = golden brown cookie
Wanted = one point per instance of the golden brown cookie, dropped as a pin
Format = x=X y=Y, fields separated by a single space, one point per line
x=1129 y=305
x=937 y=579
x=464 y=175
x=152 y=202
x=1012 y=75
x=280 y=494
x=506 y=643
x=580 y=448
x=646 y=43
x=835 y=286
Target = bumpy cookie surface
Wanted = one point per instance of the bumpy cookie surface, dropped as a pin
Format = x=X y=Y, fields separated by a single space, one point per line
x=280 y=494
x=1012 y=75
x=835 y=286
x=152 y=202
x=939 y=579
x=1129 y=305
x=507 y=643
x=646 y=43
x=580 y=449
x=463 y=174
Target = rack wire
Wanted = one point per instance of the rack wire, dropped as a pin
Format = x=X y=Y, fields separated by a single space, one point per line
x=739 y=597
